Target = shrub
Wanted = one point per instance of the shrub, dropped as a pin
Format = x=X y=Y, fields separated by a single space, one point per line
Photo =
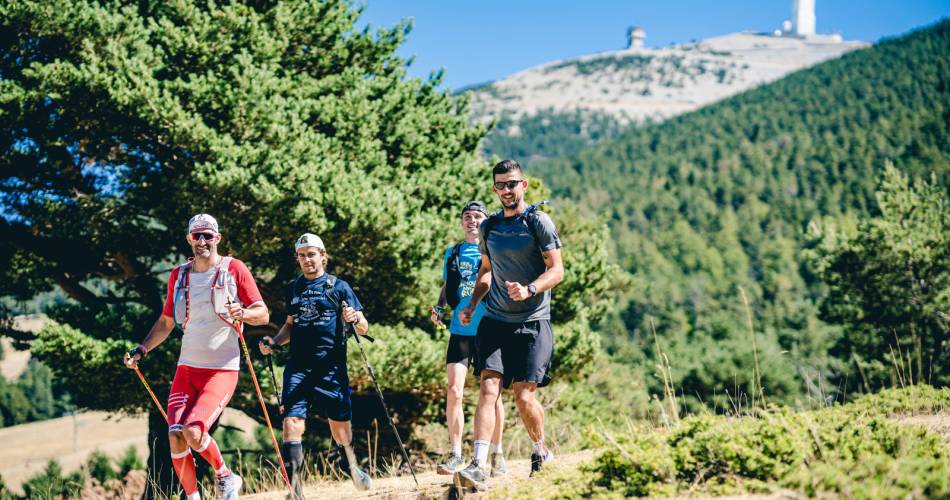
x=99 y=467
x=51 y=482
x=852 y=450
x=129 y=461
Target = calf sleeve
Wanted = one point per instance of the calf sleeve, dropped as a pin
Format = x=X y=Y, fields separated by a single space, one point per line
x=210 y=452
x=293 y=458
x=184 y=465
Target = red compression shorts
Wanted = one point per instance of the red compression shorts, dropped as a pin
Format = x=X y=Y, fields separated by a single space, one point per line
x=198 y=396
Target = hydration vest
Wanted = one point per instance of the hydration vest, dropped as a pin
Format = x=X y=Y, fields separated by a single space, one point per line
x=220 y=295
x=453 y=277
x=531 y=221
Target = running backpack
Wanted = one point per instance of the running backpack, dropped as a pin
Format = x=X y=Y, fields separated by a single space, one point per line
x=219 y=291
x=531 y=220
x=453 y=277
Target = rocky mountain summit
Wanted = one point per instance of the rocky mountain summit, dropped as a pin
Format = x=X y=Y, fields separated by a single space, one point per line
x=639 y=83
x=559 y=107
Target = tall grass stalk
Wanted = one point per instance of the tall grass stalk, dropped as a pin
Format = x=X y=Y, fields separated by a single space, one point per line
x=669 y=394
x=757 y=374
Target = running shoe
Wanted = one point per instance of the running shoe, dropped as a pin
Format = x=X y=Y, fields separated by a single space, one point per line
x=472 y=477
x=537 y=461
x=360 y=479
x=498 y=466
x=229 y=487
x=455 y=463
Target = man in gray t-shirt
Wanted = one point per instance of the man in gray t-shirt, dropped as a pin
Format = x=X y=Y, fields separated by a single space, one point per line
x=521 y=263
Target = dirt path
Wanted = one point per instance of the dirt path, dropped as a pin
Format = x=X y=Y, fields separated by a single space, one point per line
x=432 y=485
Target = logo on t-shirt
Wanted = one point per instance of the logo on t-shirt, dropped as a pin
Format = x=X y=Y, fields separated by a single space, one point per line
x=311 y=307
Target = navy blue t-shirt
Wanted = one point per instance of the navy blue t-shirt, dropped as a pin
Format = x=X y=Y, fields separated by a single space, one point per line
x=315 y=329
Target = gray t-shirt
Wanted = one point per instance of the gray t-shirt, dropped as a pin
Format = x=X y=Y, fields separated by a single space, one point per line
x=515 y=256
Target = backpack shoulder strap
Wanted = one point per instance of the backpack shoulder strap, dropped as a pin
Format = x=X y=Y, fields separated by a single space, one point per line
x=454 y=257
x=295 y=285
x=533 y=220
x=331 y=292
x=489 y=224
x=183 y=271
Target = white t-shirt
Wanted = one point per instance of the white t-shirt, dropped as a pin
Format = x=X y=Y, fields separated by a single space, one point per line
x=208 y=341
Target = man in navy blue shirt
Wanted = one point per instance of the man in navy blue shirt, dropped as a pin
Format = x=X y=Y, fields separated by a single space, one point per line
x=316 y=374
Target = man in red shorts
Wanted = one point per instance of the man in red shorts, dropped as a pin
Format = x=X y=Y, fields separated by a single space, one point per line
x=205 y=296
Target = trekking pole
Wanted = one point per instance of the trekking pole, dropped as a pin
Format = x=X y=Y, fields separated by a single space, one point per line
x=270 y=364
x=237 y=327
x=149 y=389
x=382 y=400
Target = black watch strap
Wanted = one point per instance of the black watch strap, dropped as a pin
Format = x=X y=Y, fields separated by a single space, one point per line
x=533 y=290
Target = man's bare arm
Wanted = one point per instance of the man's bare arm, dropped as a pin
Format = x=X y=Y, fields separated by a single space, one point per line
x=554 y=273
x=283 y=335
x=482 y=282
x=160 y=330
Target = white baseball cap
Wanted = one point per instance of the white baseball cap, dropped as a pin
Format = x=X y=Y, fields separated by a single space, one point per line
x=309 y=240
x=202 y=222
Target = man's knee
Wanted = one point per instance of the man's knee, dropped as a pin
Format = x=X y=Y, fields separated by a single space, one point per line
x=193 y=435
x=294 y=428
x=455 y=393
x=524 y=396
x=176 y=441
x=490 y=386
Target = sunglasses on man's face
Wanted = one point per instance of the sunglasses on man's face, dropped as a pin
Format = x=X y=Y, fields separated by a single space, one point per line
x=202 y=236
x=501 y=185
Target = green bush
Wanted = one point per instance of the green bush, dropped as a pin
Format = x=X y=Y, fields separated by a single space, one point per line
x=640 y=464
x=853 y=450
x=129 y=461
x=51 y=483
x=99 y=467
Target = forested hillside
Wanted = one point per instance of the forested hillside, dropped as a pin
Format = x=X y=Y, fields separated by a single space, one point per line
x=716 y=202
x=557 y=108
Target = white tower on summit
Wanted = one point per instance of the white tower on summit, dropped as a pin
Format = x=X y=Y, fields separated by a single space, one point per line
x=803 y=17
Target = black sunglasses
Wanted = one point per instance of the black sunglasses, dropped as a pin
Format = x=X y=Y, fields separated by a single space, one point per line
x=501 y=185
x=202 y=236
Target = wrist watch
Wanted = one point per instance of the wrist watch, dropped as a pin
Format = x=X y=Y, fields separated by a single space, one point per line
x=533 y=290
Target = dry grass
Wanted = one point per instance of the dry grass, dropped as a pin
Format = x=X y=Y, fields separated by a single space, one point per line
x=68 y=440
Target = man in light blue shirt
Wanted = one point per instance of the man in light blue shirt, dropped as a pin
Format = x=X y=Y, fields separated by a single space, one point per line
x=459 y=271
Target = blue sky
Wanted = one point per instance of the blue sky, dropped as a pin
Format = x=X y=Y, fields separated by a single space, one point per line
x=483 y=40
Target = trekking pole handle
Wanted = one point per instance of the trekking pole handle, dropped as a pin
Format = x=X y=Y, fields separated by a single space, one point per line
x=344 y=305
x=272 y=345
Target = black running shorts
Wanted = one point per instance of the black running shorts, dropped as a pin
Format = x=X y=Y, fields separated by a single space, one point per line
x=521 y=352
x=461 y=349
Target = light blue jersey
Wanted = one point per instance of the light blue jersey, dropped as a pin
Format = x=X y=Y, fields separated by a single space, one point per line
x=469 y=259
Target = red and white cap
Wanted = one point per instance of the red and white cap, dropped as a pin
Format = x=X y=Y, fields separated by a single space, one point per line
x=202 y=222
x=309 y=240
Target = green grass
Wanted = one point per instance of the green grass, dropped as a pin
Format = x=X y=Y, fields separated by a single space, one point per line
x=857 y=450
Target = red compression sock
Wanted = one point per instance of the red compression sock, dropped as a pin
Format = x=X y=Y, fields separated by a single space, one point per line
x=184 y=465
x=209 y=450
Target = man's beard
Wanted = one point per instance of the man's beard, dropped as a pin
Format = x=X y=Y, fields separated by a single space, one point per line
x=515 y=201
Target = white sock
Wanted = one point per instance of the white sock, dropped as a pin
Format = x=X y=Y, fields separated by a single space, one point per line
x=194 y=496
x=481 y=452
x=350 y=455
x=539 y=449
x=496 y=448
x=457 y=450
